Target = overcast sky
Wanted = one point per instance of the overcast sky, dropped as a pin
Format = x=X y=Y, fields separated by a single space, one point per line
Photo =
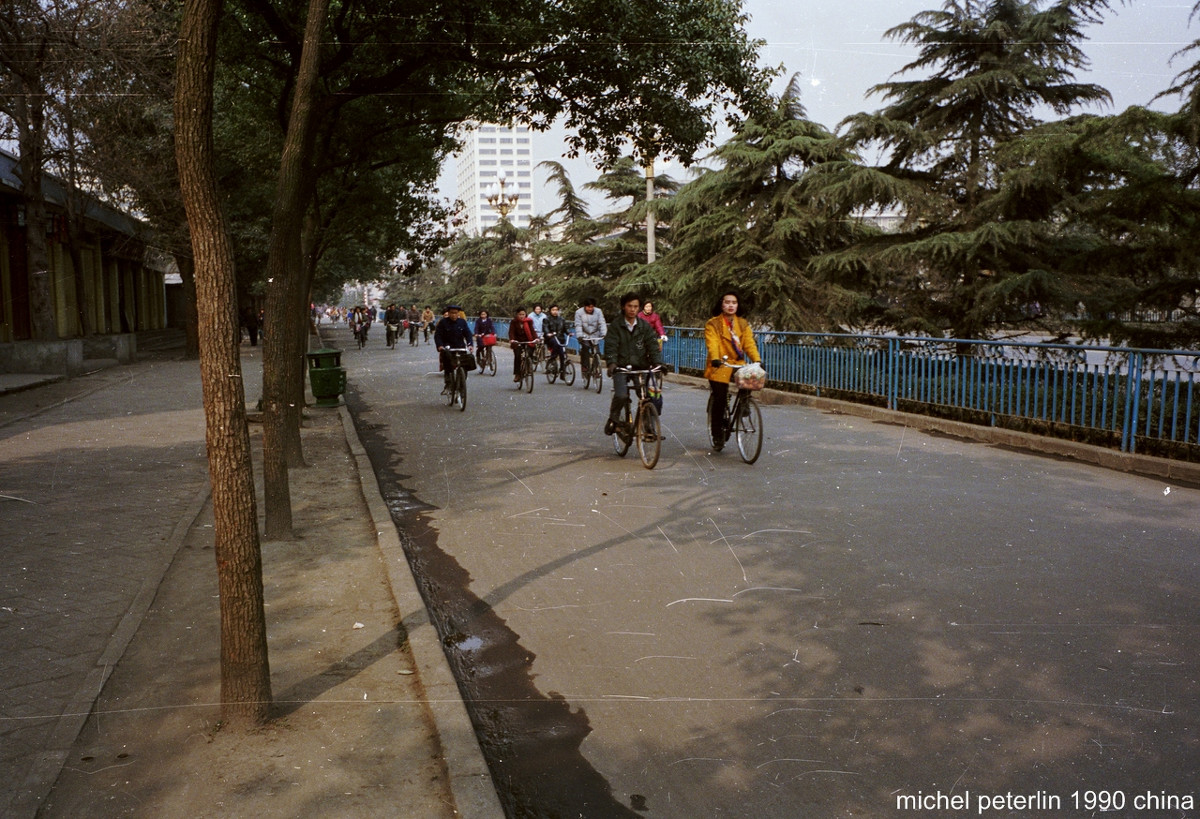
x=837 y=47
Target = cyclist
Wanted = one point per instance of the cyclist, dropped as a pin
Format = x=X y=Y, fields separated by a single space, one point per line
x=520 y=329
x=648 y=315
x=483 y=327
x=590 y=329
x=451 y=333
x=391 y=319
x=554 y=331
x=729 y=340
x=427 y=322
x=630 y=342
x=538 y=318
x=413 y=317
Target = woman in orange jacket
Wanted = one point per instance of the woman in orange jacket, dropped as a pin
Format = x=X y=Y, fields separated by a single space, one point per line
x=729 y=340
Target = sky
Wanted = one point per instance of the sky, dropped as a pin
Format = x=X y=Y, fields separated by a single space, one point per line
x=839 y=50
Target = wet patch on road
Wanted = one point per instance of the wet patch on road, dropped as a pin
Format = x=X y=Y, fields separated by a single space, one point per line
x=531 y=740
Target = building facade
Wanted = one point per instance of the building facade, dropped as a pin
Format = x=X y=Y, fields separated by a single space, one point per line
x=120 y=289
x=492 y=153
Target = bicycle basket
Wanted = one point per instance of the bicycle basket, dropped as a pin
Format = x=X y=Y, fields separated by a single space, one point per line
x=465 y=360
x=751 y=377
x=488 y=340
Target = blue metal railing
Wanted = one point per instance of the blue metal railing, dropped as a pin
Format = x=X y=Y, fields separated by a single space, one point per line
x=1114 y=396
x=1111 y=395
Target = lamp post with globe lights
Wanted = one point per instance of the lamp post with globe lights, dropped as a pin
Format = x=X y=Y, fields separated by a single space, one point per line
x=502 y=200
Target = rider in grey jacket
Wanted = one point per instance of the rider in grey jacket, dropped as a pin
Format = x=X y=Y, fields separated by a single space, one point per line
x=589 y=326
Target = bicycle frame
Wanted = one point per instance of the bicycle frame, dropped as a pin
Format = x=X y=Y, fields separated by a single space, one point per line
x=645 y=428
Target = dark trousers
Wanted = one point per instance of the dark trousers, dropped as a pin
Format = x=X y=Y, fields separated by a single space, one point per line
x=720 y=396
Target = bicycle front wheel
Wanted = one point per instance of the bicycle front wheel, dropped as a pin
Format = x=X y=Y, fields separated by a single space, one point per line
x=491 y=362
x=649 y=435
x=551 y=371
x=460 y=380
x=568 y=373
x=749 y=430
x=599 y=375
x=527 y=378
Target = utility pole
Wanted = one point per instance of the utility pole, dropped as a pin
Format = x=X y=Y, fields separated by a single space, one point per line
x=650 y=228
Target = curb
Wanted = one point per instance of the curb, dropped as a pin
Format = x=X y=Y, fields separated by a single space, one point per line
x=470 y=780
x=1143 y=465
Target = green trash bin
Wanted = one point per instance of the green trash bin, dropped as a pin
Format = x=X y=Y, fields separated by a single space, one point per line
x=326 y=376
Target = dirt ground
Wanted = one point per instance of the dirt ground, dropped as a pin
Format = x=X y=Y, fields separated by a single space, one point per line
x=352 y=736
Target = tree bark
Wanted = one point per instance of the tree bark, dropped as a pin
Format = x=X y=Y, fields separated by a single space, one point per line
x=245 y=671
x=31 y=123
x=287 y=290
x=191 y=319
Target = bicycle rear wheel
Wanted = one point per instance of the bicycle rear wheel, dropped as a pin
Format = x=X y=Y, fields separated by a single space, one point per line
x=713 y=442
x=649 y=434
x=460 y=379
x=568 y=373
x=749 y=430
x=622 y=436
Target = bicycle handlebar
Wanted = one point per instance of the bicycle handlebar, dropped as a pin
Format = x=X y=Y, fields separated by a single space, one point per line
x=725 y=363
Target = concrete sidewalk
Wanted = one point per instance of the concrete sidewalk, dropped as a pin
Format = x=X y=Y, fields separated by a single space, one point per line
x=109 y=634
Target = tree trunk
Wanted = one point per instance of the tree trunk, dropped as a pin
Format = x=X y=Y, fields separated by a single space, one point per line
x=245 y=671
x=287 y=290
x=31 y=140
x=191 y=320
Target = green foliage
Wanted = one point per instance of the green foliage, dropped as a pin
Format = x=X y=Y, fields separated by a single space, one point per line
x=963 y=262
x=751 y=225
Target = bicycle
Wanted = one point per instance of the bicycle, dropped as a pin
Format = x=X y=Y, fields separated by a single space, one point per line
x=646 y=428
x=742 y=418
x=525 y=373
x=392 y=330
x=589 y=363
x=360 y=334
x=539 y=354
x=484 y=357
x=457 y=393
x=560 y=368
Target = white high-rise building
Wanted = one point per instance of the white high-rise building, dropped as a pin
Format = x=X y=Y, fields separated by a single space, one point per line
x=492 y=152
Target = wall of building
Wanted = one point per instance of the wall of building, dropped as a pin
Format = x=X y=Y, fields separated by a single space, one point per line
x=487 y=151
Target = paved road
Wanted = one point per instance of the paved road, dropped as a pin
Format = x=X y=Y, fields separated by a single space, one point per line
x=867 y=615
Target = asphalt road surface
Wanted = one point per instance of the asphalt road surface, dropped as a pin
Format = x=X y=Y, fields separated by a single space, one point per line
x=869 y=621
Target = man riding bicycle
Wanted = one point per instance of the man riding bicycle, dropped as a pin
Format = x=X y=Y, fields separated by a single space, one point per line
x=590 y=329
x=554 y=332
x=630 y=343
x=452 y=333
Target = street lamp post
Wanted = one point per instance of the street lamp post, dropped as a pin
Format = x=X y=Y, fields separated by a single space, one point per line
x=501 y=200
x=650 y=226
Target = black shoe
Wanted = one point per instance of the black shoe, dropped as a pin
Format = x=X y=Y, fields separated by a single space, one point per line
x=610 y=426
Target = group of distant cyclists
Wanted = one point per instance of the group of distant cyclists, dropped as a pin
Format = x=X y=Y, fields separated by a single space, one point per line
x=632 y=343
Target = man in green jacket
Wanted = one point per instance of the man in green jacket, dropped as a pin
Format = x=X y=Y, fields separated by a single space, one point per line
x=629 y=342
